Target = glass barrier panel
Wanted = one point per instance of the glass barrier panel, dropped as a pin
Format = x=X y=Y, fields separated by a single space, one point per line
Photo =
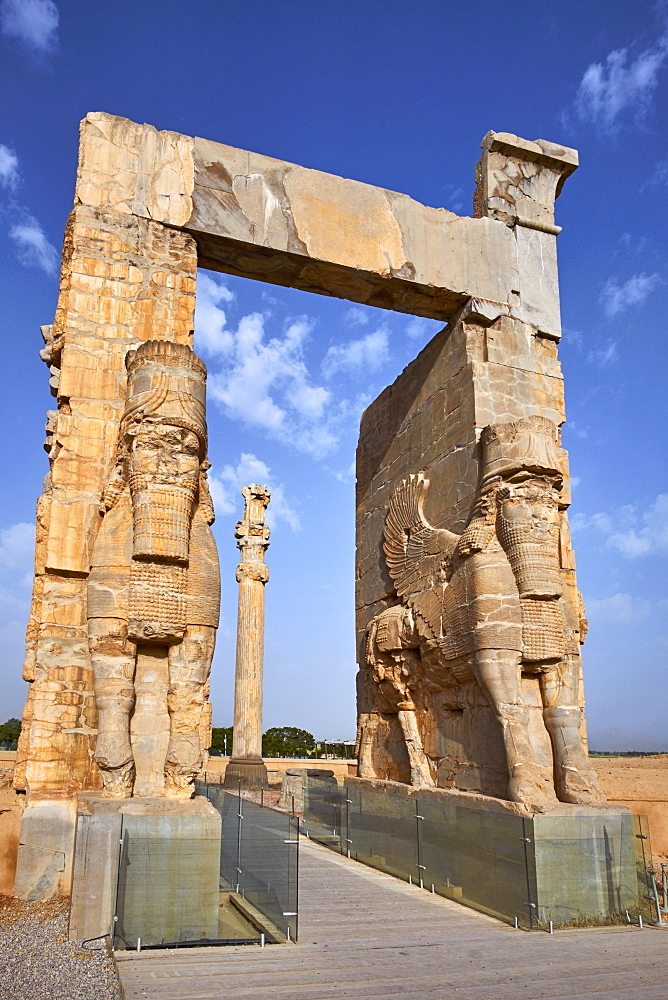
x=481 y=857
x=167 y=889
x=383 y=828
x=589 y=869
x=649 y=901
x=269 y=863
x=259 y=862
x=227 y=805
x=324 y=812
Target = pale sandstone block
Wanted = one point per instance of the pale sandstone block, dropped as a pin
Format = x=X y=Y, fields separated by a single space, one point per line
x=135 y=169
x=72 y=530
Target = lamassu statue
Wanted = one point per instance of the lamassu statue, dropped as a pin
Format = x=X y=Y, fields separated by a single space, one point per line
x=154 y=586
x=492 y=605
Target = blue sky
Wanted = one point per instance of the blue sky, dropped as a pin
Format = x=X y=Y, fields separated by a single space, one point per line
x=398 y=95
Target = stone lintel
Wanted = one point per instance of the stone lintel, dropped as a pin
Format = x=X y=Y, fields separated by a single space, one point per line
x=274 y=221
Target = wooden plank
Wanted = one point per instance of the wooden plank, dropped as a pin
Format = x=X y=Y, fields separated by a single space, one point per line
x=367 y=936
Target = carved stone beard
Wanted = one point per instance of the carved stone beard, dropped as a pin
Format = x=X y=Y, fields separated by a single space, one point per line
x=161 y=518
x=528 y=526
x=528 y=529
x=164 y=472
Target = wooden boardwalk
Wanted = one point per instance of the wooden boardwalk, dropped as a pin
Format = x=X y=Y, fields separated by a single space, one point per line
x=367 y=936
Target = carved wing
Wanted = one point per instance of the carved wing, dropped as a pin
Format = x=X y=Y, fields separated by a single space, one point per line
x=416 y=553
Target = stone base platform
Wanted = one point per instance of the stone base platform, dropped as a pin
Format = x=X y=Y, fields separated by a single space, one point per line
x=146 y=868
x=574 y=866
x=246 y=772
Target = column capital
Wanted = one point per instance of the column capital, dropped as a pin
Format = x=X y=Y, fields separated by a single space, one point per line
x=518 y=180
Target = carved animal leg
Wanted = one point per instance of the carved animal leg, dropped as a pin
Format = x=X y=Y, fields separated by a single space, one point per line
x=498 y=673
x=420 y=771
x=366 y=728
x=575 y=778
x=113 y=658
x=189 y=666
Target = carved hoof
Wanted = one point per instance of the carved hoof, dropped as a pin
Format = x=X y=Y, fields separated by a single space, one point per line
x=179 y=783
x=579 y=789
x=184 y=762
x=113 y=755
x=531 y=786
x=118 y=782
x=113 y=751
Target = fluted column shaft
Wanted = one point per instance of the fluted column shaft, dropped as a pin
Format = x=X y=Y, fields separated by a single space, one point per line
x=252 y=574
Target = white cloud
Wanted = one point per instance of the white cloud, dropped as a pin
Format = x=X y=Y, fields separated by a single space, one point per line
x=617 y=298
x=356 y=316
x=632 y=532
x=9 y=168
x=417 y=328
x=33 y=22
x=454 y=196
x=573 y=337
x=618 y=609
x=358 y=357
x=17 y=550
x=33 y=248
x=621 y=84
x=604 y=355
x=226 y=490
x=659 y=177
x=266 y=384
x=211 y=335
x=347 y=475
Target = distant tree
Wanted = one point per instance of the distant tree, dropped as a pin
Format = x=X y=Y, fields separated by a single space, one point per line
x=287 y=741
x=221 y=740
x=10 y=731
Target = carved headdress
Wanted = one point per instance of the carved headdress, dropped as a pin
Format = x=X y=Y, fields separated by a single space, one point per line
x=168 y=381
x=526 y=444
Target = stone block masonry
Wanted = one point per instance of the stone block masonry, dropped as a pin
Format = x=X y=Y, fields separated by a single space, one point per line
x=149 y=208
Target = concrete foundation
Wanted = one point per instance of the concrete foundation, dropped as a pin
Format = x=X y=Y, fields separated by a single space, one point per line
x=146 y=868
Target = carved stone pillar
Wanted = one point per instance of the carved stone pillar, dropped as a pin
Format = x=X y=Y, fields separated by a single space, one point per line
x=246 y=766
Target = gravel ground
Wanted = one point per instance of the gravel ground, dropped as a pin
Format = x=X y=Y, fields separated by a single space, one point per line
x=37 y=962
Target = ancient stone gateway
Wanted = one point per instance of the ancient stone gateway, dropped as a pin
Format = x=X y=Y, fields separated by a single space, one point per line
x=468 y=614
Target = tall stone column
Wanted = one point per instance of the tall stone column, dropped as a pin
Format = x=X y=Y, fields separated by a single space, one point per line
x=246 y=766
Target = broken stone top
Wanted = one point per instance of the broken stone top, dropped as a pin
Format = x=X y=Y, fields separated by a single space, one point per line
x=268 y=219
x=549 y=154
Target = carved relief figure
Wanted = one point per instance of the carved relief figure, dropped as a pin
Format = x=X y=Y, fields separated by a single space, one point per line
x=488 y=605
x=154 y=584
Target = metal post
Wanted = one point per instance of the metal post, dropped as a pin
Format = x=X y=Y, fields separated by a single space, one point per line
x=420 y=867
x=530 y=904
x=655 y=893
x=240 y=817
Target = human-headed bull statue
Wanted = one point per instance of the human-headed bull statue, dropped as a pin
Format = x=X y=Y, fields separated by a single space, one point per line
x=154 y=584
x=489 y=605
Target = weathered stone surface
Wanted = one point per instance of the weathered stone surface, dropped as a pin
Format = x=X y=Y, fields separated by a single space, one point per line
x=276 y=221
x=246 y=766
x=124 y=280
x=125 y=601
x=135 y=169
x=151 y=621
x=46 y=843
x=469 y=617
x=12 y=804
